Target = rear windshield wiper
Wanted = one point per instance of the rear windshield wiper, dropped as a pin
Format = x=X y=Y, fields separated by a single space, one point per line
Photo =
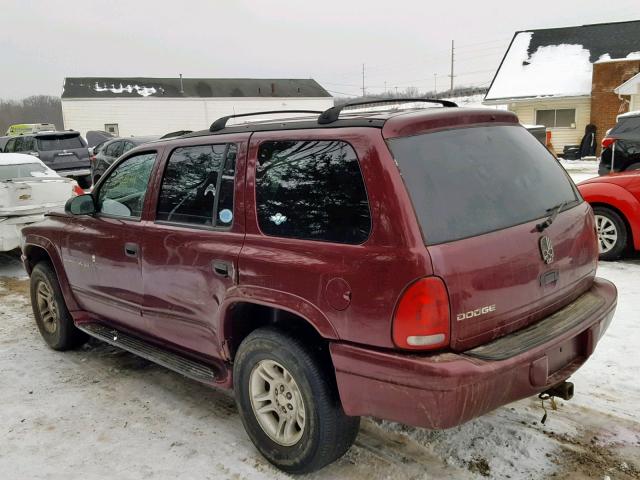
x=554 y=213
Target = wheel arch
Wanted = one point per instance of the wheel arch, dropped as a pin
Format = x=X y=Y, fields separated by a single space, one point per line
x=37 y=249
x=619 y=200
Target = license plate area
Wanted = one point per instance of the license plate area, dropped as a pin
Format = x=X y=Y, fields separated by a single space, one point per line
x=563 y=355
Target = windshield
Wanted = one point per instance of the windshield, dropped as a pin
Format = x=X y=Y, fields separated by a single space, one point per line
x=46 y=144
x=23 y=170
x=470 y=181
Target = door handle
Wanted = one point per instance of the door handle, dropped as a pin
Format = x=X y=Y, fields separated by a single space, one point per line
x=131 y=249
x=220 y=268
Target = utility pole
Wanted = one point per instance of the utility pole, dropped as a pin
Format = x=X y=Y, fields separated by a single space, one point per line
x=435 y=84
x=385 y=86
x=451 y=75
x=363 y=90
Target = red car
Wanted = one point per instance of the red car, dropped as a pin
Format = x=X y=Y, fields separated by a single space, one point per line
x=615 y=199
x=421 y=266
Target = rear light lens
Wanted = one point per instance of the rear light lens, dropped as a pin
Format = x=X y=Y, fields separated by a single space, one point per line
x=76 y=190
x=607 y=142
x=422 y=320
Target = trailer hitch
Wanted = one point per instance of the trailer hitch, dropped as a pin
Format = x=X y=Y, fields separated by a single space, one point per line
x=562 y=390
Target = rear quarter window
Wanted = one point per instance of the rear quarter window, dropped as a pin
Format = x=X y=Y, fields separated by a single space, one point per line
x=470 y=181
x=312 y=190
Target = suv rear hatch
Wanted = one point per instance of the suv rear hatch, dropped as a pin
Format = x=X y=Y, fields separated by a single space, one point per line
x=63 y=151
x=479 y=193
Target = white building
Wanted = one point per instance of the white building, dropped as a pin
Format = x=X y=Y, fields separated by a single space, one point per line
x=156 y=106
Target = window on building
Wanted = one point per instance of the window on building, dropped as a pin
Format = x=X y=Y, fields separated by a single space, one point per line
x=560 y=118
x=311 y=190
x=197 y=187
x=112 y=128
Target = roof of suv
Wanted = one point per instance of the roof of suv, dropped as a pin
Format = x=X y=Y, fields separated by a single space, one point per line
x=394 y=122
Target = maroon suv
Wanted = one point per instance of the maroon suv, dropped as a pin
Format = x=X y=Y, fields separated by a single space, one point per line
x=424 y=266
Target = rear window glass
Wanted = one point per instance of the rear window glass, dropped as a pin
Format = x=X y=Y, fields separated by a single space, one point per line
x=59 y=143
x=24 y=170
x=471 y=181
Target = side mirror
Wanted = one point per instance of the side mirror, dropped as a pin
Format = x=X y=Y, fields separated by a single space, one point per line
x=80 y=205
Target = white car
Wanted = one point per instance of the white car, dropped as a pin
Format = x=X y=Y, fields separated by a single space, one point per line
x=28 y=190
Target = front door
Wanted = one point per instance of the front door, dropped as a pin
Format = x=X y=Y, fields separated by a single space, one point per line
x=190 y=252
x=105 y=249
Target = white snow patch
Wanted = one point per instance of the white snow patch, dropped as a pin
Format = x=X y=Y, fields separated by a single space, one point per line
x=140 y=90
x=551 y=71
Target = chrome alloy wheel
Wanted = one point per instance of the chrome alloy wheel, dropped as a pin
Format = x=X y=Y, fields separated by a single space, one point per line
x=607 y=233
x=47 y=307
x=277 y=402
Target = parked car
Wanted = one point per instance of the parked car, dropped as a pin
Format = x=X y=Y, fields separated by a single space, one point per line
x=104 y=154
x=27 y=128
x=28 y=190
x=421 y=266
x=65 y=152
x=615 y=200
x=624 y=137
x=3 y=142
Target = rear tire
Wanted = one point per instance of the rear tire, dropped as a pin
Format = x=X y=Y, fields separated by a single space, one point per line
x=50 y=311
x=302 y=427
x=612 y=233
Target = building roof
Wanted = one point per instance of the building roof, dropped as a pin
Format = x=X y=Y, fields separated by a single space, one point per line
x=137 y=87
x=630 y=87
x=558 y=62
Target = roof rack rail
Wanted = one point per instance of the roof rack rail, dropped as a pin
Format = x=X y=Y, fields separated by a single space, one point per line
x=221 y=123
x=332 y=114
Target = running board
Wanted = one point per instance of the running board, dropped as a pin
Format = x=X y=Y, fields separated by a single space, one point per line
x=173 y=361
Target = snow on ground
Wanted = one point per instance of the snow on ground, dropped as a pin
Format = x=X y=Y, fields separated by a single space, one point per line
x=100 y=412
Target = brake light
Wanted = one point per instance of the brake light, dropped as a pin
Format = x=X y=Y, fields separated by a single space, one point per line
x=607 y=142
x=76 y=190
x=422 y=318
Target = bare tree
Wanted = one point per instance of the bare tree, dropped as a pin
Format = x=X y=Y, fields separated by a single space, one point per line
x=34 y=109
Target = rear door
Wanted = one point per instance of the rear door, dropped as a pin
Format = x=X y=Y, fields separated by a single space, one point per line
x=190 y=251
x=480 y=195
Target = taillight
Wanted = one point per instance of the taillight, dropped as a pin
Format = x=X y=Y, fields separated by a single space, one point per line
x=422 y=318
x=607 y=142
x=76 y=190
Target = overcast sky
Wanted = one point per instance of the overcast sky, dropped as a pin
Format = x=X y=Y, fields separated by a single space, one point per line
x=401 y=42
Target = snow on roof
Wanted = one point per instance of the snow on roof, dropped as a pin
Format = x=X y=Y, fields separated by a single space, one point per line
x=136 y=87
x=18 y=159
x=552 y=71
x=557 y=62
x=630 y=87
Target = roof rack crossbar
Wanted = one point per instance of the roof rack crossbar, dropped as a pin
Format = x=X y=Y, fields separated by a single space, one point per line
x=332 y=114
x=221 y=123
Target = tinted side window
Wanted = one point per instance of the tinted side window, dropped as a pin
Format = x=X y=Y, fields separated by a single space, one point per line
x=312 y=190
x=122 y=193
x=10 y=146
x=19 y=146
x=198 y=181
x=29 y=144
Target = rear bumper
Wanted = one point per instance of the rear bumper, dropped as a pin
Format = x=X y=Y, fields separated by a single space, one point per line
x=79 y=172
x=445 y=390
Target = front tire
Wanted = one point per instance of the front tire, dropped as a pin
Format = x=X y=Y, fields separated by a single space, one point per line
x=289 y=404
x=612 y=233
x=50 y=311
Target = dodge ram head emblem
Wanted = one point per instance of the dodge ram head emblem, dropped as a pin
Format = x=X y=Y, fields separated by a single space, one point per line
x=546 y=249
